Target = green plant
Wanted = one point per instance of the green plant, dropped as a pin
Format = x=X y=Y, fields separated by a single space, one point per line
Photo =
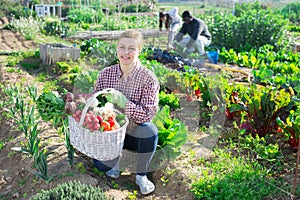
x=8 y=8
x=224 y=176
x=2 y=144
x=263 y=106
x=291 y=126
x=67 y=143
x=85 y=15
x=32 y=145
x=172 y=134
x=40 y=161
x=81 y=168
x=104 y=53
x=63 y=67
x=169 y=99
x=251 y=28
x=32 y=92
x=55 y=27
x=51 y=107
x=71 y=190
x=132 y=195
x=291 y=12
x=84 y=82
x=12 y=61
x=269 y=152
x=29 y=27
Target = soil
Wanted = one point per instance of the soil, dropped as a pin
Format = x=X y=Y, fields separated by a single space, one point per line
x=17 y=179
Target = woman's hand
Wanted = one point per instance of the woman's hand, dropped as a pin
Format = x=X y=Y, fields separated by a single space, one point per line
x=115 y=97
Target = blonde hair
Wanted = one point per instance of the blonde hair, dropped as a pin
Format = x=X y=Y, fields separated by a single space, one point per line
x=134 y=34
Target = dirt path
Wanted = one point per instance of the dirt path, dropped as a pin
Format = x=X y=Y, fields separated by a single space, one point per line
x=11 y=41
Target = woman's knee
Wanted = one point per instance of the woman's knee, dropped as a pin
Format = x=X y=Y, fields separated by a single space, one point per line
x=147 y=130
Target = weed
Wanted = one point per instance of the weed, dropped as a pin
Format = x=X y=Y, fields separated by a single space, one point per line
x=81 y=168
x=98 y=172
x=132 y=195
x=24 y=195
x=12 y=70
x=228 y=177
x=22 y=182
x=11 y=153
x=2 y=143
x=114 y=185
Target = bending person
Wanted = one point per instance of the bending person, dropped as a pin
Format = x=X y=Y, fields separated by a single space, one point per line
x=174 y=26
x=198 y=34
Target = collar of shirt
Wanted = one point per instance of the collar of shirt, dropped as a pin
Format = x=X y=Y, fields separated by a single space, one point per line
x=131 y=74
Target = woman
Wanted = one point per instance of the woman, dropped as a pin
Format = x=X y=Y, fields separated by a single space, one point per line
x=172 y=22
x=135 y=92
x=175 y=25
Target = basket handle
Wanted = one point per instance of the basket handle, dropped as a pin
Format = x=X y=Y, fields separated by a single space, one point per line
x=89 y=102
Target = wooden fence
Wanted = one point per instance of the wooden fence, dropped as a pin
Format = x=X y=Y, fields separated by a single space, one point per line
x=52 y=53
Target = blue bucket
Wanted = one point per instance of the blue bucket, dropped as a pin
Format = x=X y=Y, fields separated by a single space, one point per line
x=213 y=56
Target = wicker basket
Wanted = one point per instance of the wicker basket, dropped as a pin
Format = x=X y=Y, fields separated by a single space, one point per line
x=99 y=145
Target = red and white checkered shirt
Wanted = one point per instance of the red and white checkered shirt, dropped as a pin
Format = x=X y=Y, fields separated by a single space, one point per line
x=141 y=89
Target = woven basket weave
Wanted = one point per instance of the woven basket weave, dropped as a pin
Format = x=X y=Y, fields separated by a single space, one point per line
x=99 y=145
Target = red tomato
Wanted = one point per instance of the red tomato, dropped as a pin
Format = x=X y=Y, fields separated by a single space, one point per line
x=105 y=125
x=111 y=121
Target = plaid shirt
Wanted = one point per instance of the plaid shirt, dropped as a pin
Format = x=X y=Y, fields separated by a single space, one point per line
x=141 y=89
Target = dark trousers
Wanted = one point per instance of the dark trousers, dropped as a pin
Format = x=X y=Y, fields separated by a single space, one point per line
x=141 y=139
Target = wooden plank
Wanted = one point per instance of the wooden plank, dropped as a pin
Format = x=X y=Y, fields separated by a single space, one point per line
x=114 y=35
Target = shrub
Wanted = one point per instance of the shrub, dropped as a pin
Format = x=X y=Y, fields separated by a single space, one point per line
x=85 y=15
x=71 y=190
x=8 y=8
x=135 y=8
x=291 y=12
x=252 y=29
x=53 y=26
x=27 y=26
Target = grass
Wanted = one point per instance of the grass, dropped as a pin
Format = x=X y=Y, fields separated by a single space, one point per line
x=227 y=177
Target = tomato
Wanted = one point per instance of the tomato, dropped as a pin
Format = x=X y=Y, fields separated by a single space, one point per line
x=111 y=121
x=105 y=125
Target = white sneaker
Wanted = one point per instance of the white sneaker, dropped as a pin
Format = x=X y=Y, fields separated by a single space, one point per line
x=146 y=186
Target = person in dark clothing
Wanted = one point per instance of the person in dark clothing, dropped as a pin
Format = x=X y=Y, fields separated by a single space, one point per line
x=198 y=34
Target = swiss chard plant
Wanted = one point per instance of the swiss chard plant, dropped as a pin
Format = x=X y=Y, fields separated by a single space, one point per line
x=263 y=106
x=169 y=99
x=291 y=126
x=84 y=83
x=172 y=134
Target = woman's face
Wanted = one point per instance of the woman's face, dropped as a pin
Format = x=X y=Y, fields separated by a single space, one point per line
x=128 y=51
